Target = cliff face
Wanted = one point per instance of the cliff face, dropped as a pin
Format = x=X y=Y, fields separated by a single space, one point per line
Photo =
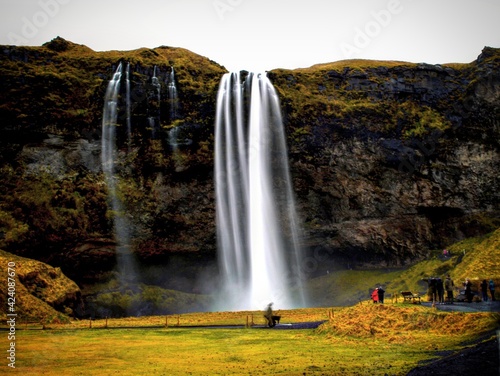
x=388 y=159
x=56 y=205
x=394 y=158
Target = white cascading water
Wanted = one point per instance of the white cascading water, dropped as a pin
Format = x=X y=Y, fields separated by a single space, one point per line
x=173 y=133
x=128 y=116
x=172 y=95
x=125 y=261
x=257 y=230
x=154 y=118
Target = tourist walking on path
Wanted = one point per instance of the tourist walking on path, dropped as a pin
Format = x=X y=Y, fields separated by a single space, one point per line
x=269 y=315
x=484 y=290
x=448 y=285
x=492 y=289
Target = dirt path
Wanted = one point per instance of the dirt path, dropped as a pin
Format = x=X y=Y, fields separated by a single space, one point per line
x=468 y=307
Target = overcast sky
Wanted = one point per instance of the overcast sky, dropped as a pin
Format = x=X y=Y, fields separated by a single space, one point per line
x=261 y=35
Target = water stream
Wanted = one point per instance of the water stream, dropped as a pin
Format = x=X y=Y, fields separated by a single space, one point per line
x=257 y=231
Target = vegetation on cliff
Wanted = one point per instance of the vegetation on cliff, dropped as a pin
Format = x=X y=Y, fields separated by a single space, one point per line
x=38 y=292
x=58 y=90
x=389 y=159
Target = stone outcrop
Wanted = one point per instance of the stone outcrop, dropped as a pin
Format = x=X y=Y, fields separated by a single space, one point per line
x=388 y=159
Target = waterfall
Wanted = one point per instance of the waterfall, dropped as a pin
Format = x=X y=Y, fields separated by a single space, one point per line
x=128 y=117
x=257 y=232
x=125 y=259
x=109 y=119
x=172 y=95
x=154 y=103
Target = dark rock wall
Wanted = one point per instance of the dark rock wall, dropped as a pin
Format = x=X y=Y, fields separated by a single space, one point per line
x=391 y=161
x=388 y=159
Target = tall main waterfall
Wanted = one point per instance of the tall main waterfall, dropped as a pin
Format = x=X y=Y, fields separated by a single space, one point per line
x=257 y=230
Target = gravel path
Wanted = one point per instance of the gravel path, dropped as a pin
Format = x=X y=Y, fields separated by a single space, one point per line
x=468 y=307
x=479 y=358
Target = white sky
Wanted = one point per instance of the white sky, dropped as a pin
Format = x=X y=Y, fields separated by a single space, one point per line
x=262 y=35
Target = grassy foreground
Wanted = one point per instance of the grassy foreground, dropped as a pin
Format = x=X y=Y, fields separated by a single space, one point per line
x=365 y=339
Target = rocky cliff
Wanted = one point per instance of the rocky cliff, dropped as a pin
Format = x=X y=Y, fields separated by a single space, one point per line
x=389 y=159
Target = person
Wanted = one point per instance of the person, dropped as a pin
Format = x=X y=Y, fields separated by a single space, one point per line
x=491 y=286
x=430 y=289
x=468 y=290
x=375 y=295
x=269 y=315
x=432 y=292
x=380 y=293
x=440 y=290
x=484 y=290
x=448 y=285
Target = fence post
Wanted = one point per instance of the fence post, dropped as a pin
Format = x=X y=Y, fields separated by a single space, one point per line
x=166 y=321
x=331 y=314
x=178 y=320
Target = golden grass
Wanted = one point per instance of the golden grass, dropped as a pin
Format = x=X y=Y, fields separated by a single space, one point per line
x=400 y=323
x=56 y=287
x=480 y=258
x=397 y=336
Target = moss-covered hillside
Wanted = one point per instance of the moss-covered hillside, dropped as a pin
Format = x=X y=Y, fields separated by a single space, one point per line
x=51 y=106
x=36 y=292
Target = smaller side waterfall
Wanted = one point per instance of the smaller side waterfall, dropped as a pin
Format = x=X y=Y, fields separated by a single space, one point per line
x=172 y=96
x=127 y=114
x=109 y=119
x=109 y=152
x=154 y=104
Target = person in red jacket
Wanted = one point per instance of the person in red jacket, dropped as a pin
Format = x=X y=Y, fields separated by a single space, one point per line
x=380 y=292
x=375 y=295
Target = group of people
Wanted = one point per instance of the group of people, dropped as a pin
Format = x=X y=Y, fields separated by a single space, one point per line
x=437 y=288
x=485 y=286
x=441 y=292
x=378 y=295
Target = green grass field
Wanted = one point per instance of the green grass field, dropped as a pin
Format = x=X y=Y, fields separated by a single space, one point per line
x=365 y=339
x=208 y=351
